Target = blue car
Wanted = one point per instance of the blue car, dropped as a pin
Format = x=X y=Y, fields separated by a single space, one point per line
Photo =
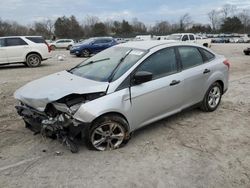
x=92 y=46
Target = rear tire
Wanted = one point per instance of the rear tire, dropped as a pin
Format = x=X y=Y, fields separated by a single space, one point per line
x=33 y=60
x=52 y=47
x=212 y=98
x=68 y=48
x=205 y=44
x=108 y=133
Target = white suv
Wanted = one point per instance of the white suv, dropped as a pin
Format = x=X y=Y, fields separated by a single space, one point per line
x=30 y=50
x=62 y=43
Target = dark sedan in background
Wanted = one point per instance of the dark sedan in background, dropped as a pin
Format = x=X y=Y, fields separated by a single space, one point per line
x=92 y=46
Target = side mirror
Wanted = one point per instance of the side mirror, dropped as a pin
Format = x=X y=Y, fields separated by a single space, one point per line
x=142 y=77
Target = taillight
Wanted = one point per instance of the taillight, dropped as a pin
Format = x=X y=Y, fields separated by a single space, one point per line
x=226 y=62
x=49 y=49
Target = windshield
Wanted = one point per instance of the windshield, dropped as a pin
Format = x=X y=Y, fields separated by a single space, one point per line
x=113 y=62
x=174 y=37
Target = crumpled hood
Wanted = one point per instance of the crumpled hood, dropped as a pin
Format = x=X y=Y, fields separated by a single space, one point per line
x=39 y=93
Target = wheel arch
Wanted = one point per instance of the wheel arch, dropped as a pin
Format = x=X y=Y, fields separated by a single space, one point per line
x=33 y=52
x=113 y=113
x=221 y=84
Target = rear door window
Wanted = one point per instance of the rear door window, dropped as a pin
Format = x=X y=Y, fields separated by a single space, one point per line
x=60 y=41
x=36 y=39
x=190 y=57
x=15 y=42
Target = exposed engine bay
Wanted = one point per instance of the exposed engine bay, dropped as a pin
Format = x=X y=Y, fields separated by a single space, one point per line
x=57 y=121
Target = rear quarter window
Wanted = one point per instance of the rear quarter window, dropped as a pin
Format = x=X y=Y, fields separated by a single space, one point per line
x=36 y=39
x=207 y=56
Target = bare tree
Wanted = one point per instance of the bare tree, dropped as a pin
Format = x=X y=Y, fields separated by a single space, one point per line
x=88 y=24
x=214 y=18
x=138 y=26
x=162 y=28
x=228 y=10
x=184 y=22
x=90 y=20
x=244 y=17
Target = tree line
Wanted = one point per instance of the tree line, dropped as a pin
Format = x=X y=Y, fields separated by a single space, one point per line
x=227 y=19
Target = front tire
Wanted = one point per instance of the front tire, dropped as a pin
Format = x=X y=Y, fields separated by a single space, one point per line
x=108 y=133
x=86 y=53
x=212 y=98
x=33 y=60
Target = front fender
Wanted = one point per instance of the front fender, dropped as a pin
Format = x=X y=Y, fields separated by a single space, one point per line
x=115 y=102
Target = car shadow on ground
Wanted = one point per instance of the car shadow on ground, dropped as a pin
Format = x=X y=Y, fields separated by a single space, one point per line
x=20 y=66
x=167 y=122
x=148 y=130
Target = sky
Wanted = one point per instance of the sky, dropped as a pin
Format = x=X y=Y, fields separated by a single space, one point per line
x=147 y=11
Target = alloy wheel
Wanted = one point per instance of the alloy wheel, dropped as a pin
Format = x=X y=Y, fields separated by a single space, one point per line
x=108 y=136
x=214 y=97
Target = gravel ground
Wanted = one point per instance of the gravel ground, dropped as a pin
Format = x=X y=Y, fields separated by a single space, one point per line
x=190 y=149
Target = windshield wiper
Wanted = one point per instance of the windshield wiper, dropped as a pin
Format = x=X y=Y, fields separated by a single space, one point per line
x=120 y=62
x=91 y=62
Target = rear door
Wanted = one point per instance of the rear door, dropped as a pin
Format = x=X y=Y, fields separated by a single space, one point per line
x=98 y=45
x=3 y=54
x=16 y=49
x=162 y=95
x=107 y=43
x=195 y=74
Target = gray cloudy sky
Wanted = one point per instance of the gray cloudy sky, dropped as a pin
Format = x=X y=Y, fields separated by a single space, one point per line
x=148 y=11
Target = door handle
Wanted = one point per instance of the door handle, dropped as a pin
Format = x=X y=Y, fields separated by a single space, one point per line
x=206 y=71
x=175 y=82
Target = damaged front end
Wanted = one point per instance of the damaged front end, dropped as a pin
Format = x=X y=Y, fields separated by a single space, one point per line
x=57 y=121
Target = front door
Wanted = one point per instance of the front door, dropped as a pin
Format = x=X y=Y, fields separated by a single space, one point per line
x=161 y=96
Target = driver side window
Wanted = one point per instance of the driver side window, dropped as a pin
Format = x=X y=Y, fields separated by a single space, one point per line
x=160 y=64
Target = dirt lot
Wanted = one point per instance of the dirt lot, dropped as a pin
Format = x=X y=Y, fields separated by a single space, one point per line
x=190 y=149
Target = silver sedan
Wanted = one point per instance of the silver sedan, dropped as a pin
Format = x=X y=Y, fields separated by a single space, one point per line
x=110 y=95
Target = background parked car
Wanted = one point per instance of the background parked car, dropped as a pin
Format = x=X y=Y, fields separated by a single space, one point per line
x=220 y=40
x=62 y=43
x=190 y=37
x=247 y=51
x=92 y=46
x=30 y=50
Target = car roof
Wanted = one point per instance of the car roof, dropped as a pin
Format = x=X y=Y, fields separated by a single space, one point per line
x=146 y=45
x=19 y=36
x=101 y=38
